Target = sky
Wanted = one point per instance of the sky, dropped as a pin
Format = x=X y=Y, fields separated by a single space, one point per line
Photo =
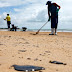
x=33 y=13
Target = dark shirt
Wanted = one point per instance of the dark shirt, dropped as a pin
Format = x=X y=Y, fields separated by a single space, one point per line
x=52 y=9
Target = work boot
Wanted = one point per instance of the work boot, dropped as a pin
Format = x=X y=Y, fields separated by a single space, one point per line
x=8 y=29
x=51 y=34
x=55 y=33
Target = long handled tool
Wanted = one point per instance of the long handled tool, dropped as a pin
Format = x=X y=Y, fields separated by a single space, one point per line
x=41 y=27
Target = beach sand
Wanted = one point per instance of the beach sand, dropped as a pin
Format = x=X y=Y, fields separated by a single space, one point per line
x=24 y=48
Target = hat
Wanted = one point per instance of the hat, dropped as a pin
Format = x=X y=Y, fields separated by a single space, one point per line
x=7 y=14
x=48 y=2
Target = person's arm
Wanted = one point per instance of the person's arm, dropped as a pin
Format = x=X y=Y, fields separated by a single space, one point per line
x=49 y=14
x=5 y=18
x=57 y=6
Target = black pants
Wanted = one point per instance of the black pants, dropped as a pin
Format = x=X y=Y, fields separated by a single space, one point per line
x=8 y=23
x=54 y=22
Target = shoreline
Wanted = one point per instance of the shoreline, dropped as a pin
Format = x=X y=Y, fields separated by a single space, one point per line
x=43 y=30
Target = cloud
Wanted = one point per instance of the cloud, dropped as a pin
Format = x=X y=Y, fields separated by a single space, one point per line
x=23 y=12
x=4 y=4
x=30 y=12
x=41 y=16
x=7 y=3
x=17 y=10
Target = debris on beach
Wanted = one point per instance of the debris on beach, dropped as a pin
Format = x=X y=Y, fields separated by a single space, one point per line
x=28 y=58
x=27 y=68
x=22 y=50
x=57 y=62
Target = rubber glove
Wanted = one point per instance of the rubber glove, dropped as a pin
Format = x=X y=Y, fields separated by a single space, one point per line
x=49 y=18
x=57 y=10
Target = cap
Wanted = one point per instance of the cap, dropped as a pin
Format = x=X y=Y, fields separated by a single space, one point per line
x=7 y=14
x=48 y=2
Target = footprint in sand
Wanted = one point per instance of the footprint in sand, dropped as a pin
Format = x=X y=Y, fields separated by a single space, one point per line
x=0 y=64
x=1 y=44
x=47 y=51
x=9 y=36
x=40 y=60
x=41 y=54
x=36 y=59
x=20 y=57
x=22 y=38
x=26 y=43
x=0 y=50
x=12 y=56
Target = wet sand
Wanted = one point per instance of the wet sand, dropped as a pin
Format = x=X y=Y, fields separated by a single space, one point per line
x=25 y=48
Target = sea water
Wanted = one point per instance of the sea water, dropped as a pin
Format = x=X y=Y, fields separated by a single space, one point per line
x=42 y=30
x=35 y=26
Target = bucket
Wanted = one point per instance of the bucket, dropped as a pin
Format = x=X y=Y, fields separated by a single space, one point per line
x=24 y=28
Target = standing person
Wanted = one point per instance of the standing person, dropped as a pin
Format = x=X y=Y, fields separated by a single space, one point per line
x=8 y=18
x=53 y=9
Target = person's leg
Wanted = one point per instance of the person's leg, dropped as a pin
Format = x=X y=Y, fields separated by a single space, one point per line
x=52 y=31
x=52 y=26
x=56 y=25
x=15 y=28
x=8 y=26
x=55 y=31
x=8 y=23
